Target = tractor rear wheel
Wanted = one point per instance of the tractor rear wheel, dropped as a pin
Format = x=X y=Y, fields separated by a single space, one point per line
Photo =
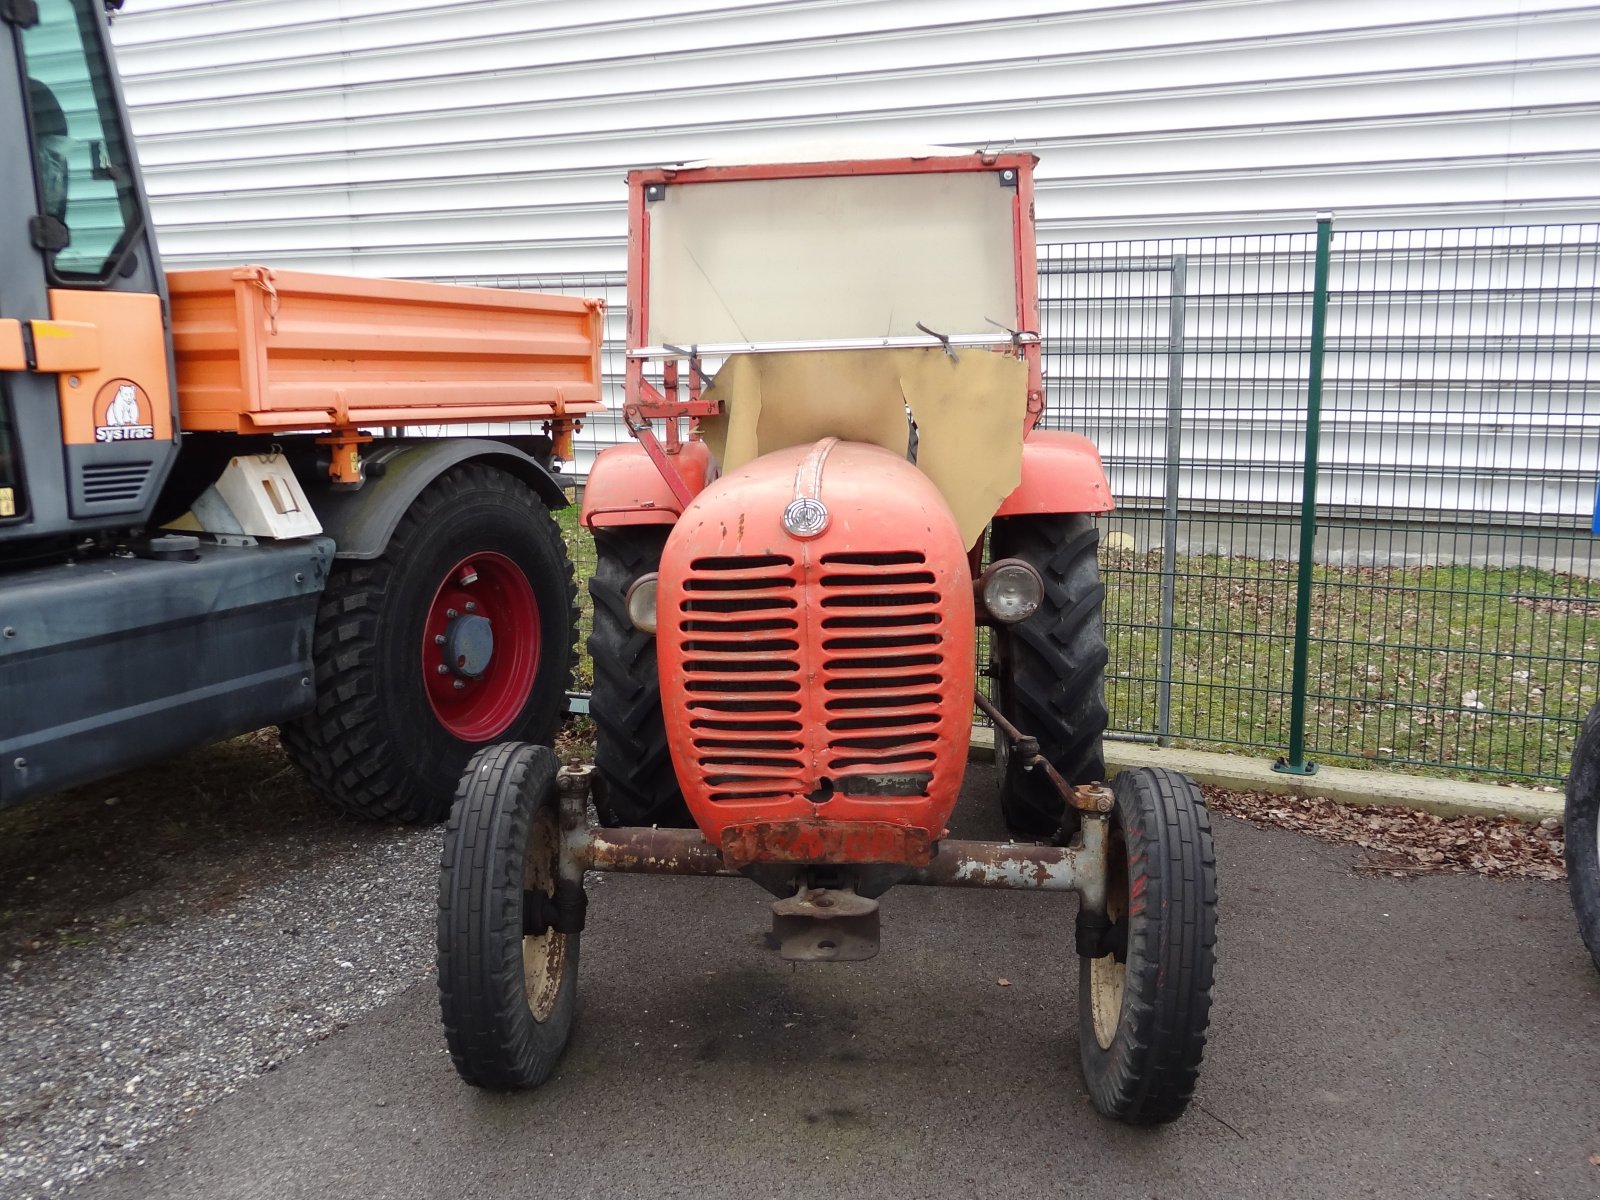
x=507 y=991
x=637 y=784
x=1143 y=1007
x=1049 y=669
x=1583 y=833
x=459 y=635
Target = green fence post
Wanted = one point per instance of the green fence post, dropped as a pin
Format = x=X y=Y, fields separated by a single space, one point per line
x=1295 y=762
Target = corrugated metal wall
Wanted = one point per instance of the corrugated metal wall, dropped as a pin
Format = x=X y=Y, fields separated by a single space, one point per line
x=488 y=138
x=486 y=141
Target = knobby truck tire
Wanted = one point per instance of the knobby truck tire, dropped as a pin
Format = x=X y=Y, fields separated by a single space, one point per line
x=1163 y=875
x=638 y=785
x=373 y=744
x=1051 y=667
x=1583 y=833
x=506 y=801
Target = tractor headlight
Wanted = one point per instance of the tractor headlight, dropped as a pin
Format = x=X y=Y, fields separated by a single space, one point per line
x=1011 y=590
x=641 y=602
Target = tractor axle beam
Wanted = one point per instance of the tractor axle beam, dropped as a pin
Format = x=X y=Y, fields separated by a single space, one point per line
x=1079 y=867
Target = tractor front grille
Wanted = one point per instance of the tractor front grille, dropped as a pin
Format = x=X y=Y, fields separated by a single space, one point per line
x=864 y=628
x=883 y=667
x=741 y=675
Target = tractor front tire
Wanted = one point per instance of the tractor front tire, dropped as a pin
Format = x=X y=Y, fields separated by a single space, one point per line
x=1583 y=833
x=506 y=999
x=461 y=634
x=1143 y=1008
x=1050 y=669
x=637 y=784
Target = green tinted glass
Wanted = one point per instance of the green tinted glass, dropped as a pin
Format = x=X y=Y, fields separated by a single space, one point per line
x=79 y=149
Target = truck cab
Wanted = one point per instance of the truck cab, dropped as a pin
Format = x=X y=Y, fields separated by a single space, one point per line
x=212 y=518
x=88 y=405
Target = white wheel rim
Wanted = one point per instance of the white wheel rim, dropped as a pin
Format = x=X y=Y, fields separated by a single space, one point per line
x=1107 y=983
x=1108 y=978
x=543 y=957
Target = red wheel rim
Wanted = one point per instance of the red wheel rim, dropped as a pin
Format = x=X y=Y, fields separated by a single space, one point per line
x=480 y=646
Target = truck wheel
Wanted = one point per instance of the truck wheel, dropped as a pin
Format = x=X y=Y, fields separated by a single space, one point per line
x=506 y=999
x=1050 y=669
x=1583 y=833
x=460 y=634
x=1143 y=1009
x=637 y=783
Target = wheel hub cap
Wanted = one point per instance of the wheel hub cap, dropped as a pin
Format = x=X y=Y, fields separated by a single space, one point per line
x=469 y=645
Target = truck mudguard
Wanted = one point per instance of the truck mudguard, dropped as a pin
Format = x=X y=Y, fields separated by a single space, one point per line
x=625 y=488
x=361 y=522
x=1061 y=473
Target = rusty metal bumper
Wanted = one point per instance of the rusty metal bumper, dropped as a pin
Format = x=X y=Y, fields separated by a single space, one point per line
x=1079 y=867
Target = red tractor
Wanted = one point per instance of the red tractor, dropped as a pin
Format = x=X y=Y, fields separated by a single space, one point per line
x=788 y=605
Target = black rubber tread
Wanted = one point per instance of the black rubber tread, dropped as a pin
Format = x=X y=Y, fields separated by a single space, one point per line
x=1052 y=666
x=495 y=1042
x=638 y=785
x=1148 y=1075
x=1582 y=817
x=372 y=745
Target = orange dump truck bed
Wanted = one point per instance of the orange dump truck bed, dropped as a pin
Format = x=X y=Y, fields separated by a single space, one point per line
x=267 y=351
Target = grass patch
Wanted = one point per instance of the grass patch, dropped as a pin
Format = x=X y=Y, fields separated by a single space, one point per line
x=1460 y=670
x=1475 y=670
x=580 y=548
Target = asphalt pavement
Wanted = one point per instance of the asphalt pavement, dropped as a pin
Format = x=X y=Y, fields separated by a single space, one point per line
x=1371 y=1036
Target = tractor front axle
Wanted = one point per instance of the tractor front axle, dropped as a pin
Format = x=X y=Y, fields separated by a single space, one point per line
x=1078 y=867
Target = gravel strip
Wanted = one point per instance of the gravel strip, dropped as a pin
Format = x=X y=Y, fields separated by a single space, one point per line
x=114 y=1032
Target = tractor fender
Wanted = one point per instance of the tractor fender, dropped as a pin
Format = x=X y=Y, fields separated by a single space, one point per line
x=625 y=488
x=1061 y=473
x=362 y=521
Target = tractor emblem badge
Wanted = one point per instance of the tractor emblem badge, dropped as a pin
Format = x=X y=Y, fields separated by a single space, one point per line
x=125 y=413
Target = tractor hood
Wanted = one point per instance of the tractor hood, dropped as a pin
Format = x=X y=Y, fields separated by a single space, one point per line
x=815 y=643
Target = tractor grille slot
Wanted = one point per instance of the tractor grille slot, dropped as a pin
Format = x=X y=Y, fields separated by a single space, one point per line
x=883 y=662
x=742 y=675
x=119 y=482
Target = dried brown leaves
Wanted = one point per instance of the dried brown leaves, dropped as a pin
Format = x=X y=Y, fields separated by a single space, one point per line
x=1400 y=842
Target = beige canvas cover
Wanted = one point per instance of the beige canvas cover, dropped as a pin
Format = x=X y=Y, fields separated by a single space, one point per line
x=969 y=413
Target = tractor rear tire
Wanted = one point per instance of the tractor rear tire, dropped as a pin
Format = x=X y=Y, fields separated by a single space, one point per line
x=1582 y=821
x=1050 y=669
x=391 y=731
x=637 y=784
x=506 y=999
x=1142 y=1021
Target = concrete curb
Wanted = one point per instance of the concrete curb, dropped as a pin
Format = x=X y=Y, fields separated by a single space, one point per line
x=1343 y=785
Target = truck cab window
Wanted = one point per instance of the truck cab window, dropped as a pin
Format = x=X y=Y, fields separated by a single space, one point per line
x=79 y=148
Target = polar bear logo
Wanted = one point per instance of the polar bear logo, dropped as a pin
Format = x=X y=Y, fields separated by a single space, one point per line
x=124 y=413
x=124 y=406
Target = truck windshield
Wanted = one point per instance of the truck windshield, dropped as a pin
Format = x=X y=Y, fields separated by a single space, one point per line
x=79 y=149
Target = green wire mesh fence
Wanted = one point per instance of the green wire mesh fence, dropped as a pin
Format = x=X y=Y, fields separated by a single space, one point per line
x=1451 y=612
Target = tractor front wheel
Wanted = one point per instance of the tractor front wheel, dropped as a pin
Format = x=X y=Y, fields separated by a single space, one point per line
x=1144 y=1005
x=459 y=635
x=507 y=988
